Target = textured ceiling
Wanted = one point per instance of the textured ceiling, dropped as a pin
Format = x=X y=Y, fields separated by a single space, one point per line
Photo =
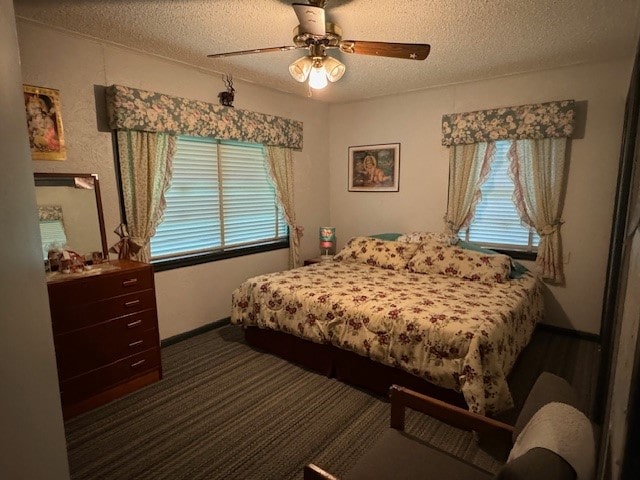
x=470 y=39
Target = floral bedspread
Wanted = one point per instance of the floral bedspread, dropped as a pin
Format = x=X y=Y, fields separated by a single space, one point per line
x=455 y=333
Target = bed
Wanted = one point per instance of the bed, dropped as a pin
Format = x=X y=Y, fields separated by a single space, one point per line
x=461 y=333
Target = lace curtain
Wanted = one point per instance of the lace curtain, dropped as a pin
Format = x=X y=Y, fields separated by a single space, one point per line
x=145 y=170
x=280 y=162
x=469 y=166
x=539 y=175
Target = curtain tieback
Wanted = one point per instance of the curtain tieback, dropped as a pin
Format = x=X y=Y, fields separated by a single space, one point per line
x=126 y=247
x=550 y=229
x=450 y=226
x=299 y=229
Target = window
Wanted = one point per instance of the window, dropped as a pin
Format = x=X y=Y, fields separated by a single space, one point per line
x=221 y=200
x=496 y=223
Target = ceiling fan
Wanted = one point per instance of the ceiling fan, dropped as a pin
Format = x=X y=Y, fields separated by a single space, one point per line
x=317 y=36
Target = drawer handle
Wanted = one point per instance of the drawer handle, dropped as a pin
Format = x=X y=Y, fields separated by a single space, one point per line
x=136 y=343
x=132 y=303
x=130 y=282
x=138 y=363
x=134 y=324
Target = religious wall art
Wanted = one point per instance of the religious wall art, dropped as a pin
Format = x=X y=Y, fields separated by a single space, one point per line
x=44 y=123
x=374 y=168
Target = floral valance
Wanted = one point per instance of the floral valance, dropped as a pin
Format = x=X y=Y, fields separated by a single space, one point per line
x=540 y=120
x=49 y=213
x=133 y=109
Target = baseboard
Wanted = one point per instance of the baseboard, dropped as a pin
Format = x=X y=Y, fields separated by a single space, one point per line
x=592 y=337
x=196 y=331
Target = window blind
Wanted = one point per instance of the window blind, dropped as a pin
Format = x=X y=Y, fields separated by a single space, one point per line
x=191 y=221
x=220 y=196
x=250 y=208
x=496 y=221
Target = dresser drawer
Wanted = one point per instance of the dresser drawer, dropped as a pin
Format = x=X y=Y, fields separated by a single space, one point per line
x=103 y=378
x=72 y=315
x=91 y=289
x=80 y=351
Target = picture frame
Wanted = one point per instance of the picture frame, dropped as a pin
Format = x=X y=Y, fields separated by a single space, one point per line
x=374 y=168
x=44 y=123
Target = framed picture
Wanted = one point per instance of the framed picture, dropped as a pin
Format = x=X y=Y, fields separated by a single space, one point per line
x=44 y=123
x=374 y=168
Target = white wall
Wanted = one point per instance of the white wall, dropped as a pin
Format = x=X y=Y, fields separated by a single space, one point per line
x=187 y=297
x=414 y=120
x=31 y=432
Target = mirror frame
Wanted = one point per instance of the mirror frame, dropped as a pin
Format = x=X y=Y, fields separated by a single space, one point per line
x=67 y=179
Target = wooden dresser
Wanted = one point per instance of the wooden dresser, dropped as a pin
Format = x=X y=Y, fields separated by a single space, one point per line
x=105 y=329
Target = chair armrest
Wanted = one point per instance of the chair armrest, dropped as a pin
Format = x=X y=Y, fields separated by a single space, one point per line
x=402 y=398
x=314 y=472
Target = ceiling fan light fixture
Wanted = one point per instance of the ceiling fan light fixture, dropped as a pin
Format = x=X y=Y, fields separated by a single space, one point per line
x=334 y=69
x=300 y=69
x=317 y=36
x=318 y=77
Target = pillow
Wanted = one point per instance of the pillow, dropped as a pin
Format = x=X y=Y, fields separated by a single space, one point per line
x=433 y=257
x=378 y=253
x=419 y=237
x=517 y=269
x=386 y=236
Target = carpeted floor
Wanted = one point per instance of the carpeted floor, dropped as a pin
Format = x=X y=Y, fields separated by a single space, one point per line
x=226 y=411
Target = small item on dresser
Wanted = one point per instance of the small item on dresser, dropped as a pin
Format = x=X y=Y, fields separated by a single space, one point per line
x=77 y=262
x=96 y=257
x=77 y=265
x=47 y=265
x=54 y=260
x=65 y=265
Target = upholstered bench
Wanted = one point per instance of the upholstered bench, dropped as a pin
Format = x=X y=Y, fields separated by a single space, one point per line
x=549 y=412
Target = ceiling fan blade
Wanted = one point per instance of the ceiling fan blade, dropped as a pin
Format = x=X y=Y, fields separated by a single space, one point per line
x=411 y=51
x=286 y=48
x=311 y=18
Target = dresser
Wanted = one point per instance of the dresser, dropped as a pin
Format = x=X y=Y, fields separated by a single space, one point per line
x=105 y=330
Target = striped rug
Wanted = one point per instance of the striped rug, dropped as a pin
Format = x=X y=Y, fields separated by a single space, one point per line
x=226 y=411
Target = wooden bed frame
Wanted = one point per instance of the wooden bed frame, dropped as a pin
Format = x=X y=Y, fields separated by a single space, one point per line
x=346 y=366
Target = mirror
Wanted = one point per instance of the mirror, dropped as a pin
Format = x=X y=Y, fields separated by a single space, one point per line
x=70 y=213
